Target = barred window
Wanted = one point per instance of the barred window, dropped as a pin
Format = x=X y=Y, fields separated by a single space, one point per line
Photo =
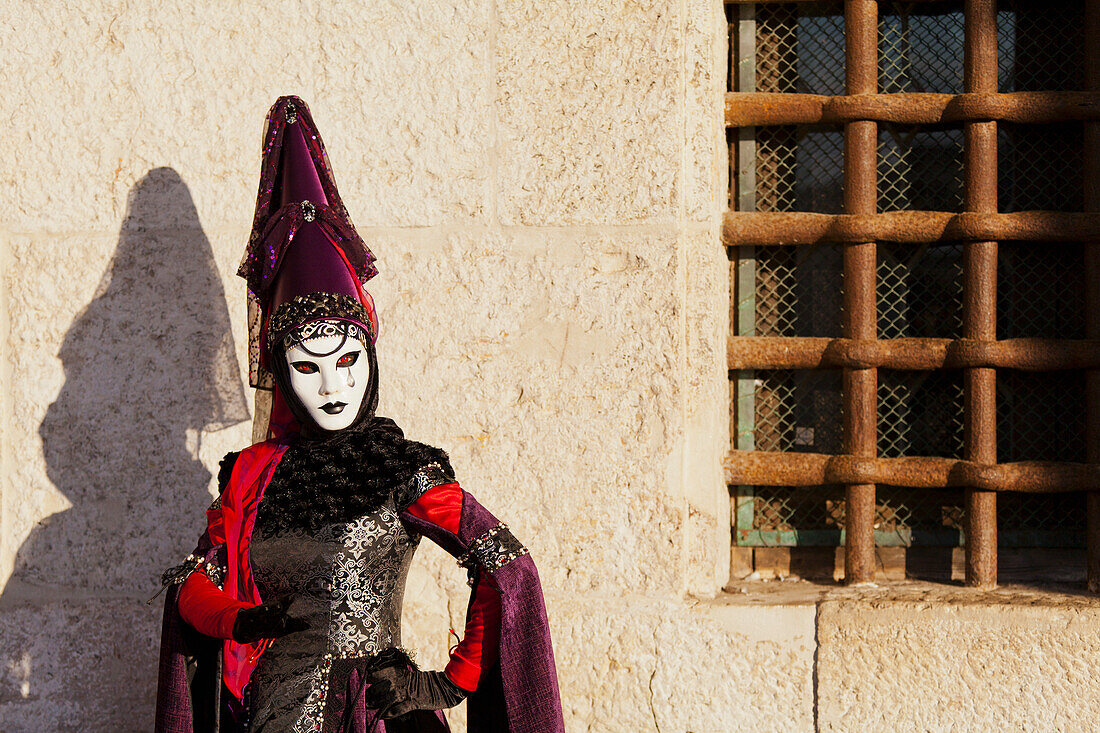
x=909 y=251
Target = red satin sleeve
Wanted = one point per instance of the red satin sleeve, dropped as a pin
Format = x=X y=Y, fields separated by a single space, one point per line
x=208 y=609
x=480 y=646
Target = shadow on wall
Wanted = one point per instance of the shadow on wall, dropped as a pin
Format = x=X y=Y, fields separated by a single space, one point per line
x=149 y=365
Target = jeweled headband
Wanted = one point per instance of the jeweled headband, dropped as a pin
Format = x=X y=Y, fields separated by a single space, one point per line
x=304 y=316
x=321 y=329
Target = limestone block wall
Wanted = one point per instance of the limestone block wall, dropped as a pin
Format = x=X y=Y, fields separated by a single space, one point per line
x=993 y=663
x=541 y=182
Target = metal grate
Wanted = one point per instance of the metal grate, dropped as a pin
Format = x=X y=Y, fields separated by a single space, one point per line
x=1041 y=47
x=919 y=291
x=798 y=291
x=920 y=169
x=799 y=47
x=801 y=411
x=920 y=414
x=795 y=515
x=918 y=51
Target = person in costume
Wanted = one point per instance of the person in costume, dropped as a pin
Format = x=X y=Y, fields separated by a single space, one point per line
x=287 y=616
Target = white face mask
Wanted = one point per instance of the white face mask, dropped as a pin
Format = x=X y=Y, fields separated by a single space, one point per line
x=329 y=374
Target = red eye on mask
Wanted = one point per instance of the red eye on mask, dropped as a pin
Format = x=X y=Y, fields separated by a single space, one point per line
x=305 y=367
x=347 y=359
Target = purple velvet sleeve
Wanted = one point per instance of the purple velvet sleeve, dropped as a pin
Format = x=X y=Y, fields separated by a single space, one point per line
x=173 y=696
x=189 y=674
x=526 y=689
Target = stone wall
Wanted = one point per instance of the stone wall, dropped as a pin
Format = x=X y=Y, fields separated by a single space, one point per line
x=541 y=182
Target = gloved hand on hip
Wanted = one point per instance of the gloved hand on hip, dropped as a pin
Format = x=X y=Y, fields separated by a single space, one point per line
x=266 y=621
x=398 y=690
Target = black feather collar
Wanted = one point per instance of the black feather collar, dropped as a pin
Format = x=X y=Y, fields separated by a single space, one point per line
x=320 y=482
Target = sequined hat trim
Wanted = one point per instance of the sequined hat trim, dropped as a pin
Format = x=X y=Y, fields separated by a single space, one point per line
x=295 y=320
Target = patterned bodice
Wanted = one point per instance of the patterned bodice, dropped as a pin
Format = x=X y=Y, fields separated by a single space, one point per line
x=347 y=580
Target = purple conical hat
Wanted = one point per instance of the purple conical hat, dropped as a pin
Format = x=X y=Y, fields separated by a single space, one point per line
x=311 y=263
x=302 y=245
x=298 y=179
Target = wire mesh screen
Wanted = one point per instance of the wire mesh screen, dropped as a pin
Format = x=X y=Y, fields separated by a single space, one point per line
x=919 y=168
x=1039 y=167
x=798 y=411
x=798 y=515
x=919 y=50
x=1041 y=417
x=798 y=290
x=800 y=48
x=800 y=169
x=1041 y=291
x=920 y=414
x=1041 y=45
x=919 y=290
x=797 y=510
x=1040 y=287
x=1041 y=48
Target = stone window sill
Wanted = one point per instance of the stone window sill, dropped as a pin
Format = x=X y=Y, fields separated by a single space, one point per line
x=795 y=592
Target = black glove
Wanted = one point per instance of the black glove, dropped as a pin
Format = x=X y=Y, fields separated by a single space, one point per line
x=395 y=691
x=266 y=621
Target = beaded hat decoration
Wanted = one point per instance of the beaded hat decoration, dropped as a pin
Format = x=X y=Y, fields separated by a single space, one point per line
x=311 y=316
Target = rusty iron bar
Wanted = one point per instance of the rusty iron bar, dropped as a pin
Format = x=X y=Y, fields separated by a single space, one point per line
x=775 y=108
x=913 y=227
x=1092 y=294
x=860 y=198
x=980 y=292
x=768 y=468
x=914 y=354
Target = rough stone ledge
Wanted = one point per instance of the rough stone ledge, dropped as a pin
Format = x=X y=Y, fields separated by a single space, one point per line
x=801 y=593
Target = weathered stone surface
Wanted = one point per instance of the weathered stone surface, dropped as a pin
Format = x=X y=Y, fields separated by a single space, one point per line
x=920 y=666
x=704 y=189
x=405 y=95
x=120 y=381
x=541 y=182
x=587 y=99
x=76 y=663
x=524 y=386
x=399 y=91
x=634 y=664
x=706 y=412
